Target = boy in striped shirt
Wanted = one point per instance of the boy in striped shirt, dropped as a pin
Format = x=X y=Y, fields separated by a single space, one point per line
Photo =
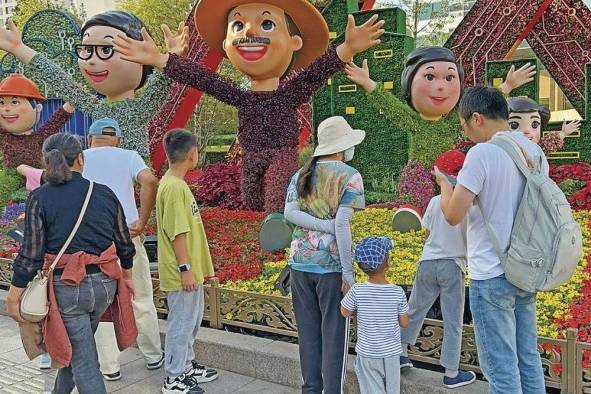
x=381 y=310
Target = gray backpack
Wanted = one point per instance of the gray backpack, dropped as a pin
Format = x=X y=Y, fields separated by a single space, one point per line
x=546 y=243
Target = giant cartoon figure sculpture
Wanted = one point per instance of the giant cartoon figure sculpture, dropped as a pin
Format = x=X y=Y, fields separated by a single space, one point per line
x=432 y=83
x=20 y=109
x=106 y=72
x=264 y=40
x=531 y=118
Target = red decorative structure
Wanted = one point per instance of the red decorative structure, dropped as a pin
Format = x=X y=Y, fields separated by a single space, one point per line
x=182 y=100
x=559 y=32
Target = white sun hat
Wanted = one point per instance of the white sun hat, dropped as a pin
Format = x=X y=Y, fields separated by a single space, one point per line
x=336 y=135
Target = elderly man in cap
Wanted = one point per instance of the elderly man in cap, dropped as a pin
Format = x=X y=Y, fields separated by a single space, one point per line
x=264 y=40
x=120 y=169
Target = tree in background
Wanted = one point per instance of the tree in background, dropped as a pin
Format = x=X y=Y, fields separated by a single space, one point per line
x=427 y=21
x=26 y=8
x=157 y=12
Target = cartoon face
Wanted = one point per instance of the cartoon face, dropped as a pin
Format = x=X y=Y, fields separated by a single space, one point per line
x=258 y=41
x=17 y=115
x=435 y=89
x=102 y=67
x=529 y=123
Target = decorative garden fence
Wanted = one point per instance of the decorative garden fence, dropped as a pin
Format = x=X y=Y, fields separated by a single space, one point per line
x=565 y=361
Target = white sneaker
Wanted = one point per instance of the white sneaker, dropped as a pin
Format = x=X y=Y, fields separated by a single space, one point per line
x=181 y=385
x=201 y=374
x=45 y=361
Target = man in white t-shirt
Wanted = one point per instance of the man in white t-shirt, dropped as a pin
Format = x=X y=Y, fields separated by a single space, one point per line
x=504 y=316
x=120 y=169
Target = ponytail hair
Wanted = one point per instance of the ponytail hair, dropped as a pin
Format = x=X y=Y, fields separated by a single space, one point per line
x=59 y=154
x=304 y=185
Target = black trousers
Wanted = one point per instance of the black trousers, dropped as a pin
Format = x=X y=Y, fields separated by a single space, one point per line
x=321 y=330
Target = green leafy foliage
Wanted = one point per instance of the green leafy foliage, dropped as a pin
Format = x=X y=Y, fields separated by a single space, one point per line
x=9 y=183
x=571 y=186
x=497 y=71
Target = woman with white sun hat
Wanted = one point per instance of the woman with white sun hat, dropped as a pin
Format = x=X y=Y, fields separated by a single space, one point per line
x=321 y=199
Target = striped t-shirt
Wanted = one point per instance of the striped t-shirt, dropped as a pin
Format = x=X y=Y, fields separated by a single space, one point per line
x=378 y=307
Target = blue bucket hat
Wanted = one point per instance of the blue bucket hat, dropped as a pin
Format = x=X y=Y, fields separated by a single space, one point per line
x=372 y=251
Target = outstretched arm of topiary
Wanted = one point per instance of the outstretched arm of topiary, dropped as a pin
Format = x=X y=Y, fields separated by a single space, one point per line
x=180 y=69
x=553 y=141
x=300 y=218
x=517 y=78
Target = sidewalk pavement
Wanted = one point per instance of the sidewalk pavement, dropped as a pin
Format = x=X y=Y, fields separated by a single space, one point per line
x=20 y=375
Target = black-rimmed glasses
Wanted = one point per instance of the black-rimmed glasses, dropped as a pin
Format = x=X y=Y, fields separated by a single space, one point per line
x=85 y=51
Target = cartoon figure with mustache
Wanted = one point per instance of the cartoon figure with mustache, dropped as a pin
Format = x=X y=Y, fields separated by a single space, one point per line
x=263 y=40
x=20 y=111
x=106 y=72
x=432 y=83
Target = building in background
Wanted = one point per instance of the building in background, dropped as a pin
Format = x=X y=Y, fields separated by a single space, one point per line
x=6 y=8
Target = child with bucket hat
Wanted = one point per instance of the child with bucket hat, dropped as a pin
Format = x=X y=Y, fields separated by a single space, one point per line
x=381 y=309
x=440 y=273
x=324 y=191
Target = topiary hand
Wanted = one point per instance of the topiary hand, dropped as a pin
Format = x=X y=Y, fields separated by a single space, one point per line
x=360 y=38
x=142 y=52
x=176 y=43
x=360 y=75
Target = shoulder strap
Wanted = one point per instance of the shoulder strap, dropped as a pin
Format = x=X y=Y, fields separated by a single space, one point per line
x=75 y=229
x=515 y=152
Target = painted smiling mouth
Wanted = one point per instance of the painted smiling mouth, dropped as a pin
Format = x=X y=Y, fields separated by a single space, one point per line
x=10 y=118
x=251 y=52
x=97 y=76
x=438 y=100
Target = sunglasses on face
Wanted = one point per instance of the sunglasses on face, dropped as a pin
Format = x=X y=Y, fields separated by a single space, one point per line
x=85 y=51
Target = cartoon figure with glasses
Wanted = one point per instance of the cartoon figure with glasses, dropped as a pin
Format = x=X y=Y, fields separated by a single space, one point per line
x=107 y=73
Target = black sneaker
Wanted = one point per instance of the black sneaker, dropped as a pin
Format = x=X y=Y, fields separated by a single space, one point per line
x=180 y=385
x=201 y=374
x=111 y=377
x=156 y=364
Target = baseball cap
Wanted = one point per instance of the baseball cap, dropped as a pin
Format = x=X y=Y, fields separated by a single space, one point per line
x=98 y=126
x=372 y=251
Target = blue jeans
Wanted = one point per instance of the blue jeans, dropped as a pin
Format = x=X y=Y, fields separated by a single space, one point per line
x=506 y=336
x=81 y=308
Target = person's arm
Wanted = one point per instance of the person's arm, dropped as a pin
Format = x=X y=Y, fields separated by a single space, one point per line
x=123 y=243
x=345 y=242
x=57 y=121
x=403 y=319
x=349 y=303
x=300 y=218
x=148 y=188
x=181 y=253
x=357 y=40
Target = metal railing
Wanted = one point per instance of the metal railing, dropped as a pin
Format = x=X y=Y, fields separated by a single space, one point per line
x=566 y=362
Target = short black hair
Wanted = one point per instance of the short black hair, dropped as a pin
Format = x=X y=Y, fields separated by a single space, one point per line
x=126 y=22
x=178 y=144
x=487 y=101
x=520 y=105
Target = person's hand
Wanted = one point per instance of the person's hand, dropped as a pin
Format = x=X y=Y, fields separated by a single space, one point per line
x=360 y=75
x=188 y=281
x=176 y=43
x=569 y=128
x=142 y=52
x=13 y=304
x=517 y=78
x=130 y=287
x=10 y=37
x=440 y=177
x=360 y=38
x=345 y=287
x=137 y=228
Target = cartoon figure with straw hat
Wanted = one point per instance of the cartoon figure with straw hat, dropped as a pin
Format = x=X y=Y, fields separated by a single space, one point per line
x=264 y=40
x=20 y=111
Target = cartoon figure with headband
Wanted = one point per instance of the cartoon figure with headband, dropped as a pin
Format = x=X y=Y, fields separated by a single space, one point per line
x=20 y=111
x=106 y=72
x=264 y=40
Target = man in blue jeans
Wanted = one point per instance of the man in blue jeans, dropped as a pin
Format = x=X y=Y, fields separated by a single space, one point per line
x=504 y=316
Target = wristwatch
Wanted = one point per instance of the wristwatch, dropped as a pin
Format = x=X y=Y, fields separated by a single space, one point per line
x=184 y=267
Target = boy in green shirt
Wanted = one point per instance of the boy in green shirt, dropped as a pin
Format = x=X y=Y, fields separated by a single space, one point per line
x=183 y=264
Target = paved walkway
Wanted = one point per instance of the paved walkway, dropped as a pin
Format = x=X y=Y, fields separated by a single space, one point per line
x=19 y=375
